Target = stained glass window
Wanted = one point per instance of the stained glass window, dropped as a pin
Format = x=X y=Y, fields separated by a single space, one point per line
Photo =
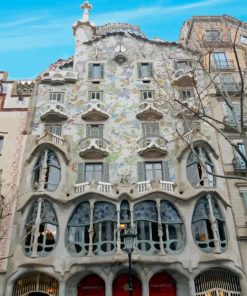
x=105 y=223
x=202 y=228
x=48 y=229
x=199 y=168
x=78 y=230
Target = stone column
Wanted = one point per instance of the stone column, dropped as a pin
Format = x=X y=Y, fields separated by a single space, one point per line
x=44 y=169
x=36 y=229
x=191 y=284
x=214 y=225
x=91 y=231
x=62 y=288
x=160 y=229
x=118 y=230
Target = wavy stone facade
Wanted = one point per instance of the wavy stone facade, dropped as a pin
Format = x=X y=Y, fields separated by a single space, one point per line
x=102 y=152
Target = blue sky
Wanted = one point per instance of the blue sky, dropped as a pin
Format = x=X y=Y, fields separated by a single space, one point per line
x=34 y=34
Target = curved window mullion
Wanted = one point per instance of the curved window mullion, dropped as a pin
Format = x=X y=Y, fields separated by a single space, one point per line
x=46 y=172
x=78 y=230
x=105 y=223
x=146 y=223
x=208 y=226
x=172 y=225
x=198 y=173
x=41 y=229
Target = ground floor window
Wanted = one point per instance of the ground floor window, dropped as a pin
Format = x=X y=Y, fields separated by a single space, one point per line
x=217 y=282
x=38 y=284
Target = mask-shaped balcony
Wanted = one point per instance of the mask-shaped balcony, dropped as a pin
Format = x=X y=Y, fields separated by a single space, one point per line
x=152 y=147
x=239 y=164
x=95 y=111
x=94 y=148
x=183 y=78
x=54 y=112
x=147 y=111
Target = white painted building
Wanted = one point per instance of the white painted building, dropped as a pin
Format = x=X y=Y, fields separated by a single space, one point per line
x=104 y=150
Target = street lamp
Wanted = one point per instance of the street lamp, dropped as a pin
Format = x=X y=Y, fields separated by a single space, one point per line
x=129 y=238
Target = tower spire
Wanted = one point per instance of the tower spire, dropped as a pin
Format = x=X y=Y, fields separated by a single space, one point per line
x=87 y=7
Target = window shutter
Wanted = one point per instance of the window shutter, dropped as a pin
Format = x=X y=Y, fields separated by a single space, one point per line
x=141 y=171
x=155 y=129
x=165 y=169
x=80 y=173
x=90 y=71
x=100 y=131
x=106 y=172
x=150 y=66
x=88 y=131
x=245 y=200
x=139 y=70
x=101 y=71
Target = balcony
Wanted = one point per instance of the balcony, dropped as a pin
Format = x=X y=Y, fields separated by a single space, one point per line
x=148 y=112
x=54 y=112
x=94 y=148
x=152 y=147
x=183 y=77
x=226 y=65
x=98 y=186
x=232 y=88
x=59 y=77
x=212 y=41
x=95 y=111
x=146 y=186
x=238 y=164
x=231 y=121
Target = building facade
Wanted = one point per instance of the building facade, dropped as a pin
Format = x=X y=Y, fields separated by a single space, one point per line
x=108 y=148
x=13 y=124
x=222 y=43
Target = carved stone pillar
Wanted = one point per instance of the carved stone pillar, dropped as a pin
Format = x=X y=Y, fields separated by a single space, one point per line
x=214 y=226
x=44 y=168
x=36 y=231
x=160 y=229
x=91 y=231
x=118 y=230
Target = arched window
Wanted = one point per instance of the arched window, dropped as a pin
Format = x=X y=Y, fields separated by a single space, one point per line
x=198 y=174
x=105 y=224
x=208 y=226
x=146 y=221
x=36 y=284
x=217 y=282
x=42 y=217
x=78 y=230
x=172 y=226
x=46 y=172
x=124 y=219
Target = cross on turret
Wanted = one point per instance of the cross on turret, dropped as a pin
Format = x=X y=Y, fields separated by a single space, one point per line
x=87 y=7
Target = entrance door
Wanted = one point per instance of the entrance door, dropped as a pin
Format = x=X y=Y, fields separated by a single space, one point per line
x=91 y=285
x=162 y=284
x=121 y=286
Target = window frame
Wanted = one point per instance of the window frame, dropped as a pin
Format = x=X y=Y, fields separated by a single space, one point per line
x=140 y=70
x=30 y=229
x=91 y=74
x=148 y=99
x=94 y=171
x=95 y=92
x=1 y=143
x=90 y=134
x=243 y=39
x=185 y=92
x=50 y=128
x=55 y=94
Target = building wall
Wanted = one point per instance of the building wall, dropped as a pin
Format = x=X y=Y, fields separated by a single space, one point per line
x=121 y=96
x=13 y=121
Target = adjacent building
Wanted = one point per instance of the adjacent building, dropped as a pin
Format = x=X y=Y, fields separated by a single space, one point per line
x=14 y=102
x=108 y=147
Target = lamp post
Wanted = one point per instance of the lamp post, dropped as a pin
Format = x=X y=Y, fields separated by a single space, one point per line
x=129 y=238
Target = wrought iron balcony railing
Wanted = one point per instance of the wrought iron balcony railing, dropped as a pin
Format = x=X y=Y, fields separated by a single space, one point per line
x=223 y=65
x=54 y=111
x=95 y=111
x=94 y=148
x=239 y=164
x=152 y=146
